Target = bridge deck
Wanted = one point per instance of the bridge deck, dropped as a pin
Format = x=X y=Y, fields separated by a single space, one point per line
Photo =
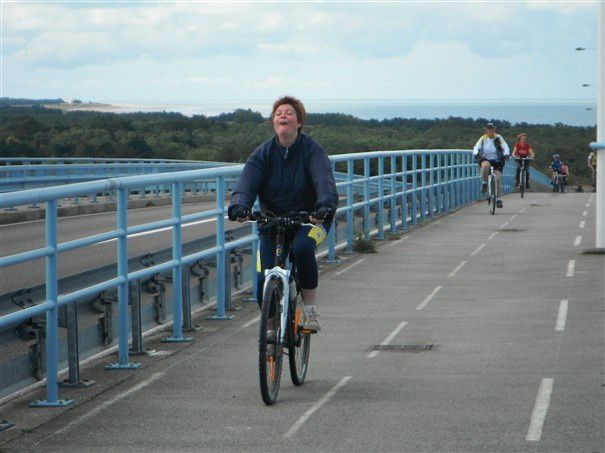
x=486 y=291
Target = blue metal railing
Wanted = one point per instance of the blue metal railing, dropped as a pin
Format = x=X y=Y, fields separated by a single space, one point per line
x=424 y=183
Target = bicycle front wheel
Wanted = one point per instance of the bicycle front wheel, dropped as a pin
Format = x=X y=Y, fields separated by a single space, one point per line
x=270 y=351
x=300 y=345
x=522 y=186
x=492 y=194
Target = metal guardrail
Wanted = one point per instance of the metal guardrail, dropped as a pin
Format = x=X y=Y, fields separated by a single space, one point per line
x=424 y=183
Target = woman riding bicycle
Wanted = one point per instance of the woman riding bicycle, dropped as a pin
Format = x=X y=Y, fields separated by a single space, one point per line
x=289 y=172
x=491 y=151
x=521 y=150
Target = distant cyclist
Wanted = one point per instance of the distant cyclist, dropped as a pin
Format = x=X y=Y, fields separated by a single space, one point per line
x=491 y=150
x=565 y=172
x=522 y=149
x=289 y=172
x=557 y=168
x=592 y=163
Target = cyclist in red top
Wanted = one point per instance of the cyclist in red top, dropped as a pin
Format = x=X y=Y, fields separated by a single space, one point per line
x=522 y=149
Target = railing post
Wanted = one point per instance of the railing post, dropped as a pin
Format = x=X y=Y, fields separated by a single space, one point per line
x=431 y=196
x=380 y=210
x=393 y=211
x=52 y=313
x=332 y=233
x=404 y=189
x=122 y=206
x=438 y=169
x=221 y=309
x=350 y=202
x=414 y=219
x=423 y=189
x=177 y=270
x=366 y=197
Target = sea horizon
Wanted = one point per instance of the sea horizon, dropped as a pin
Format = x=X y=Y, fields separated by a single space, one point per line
x=573 y=112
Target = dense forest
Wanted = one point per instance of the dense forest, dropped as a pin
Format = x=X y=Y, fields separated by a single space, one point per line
x=27 y=129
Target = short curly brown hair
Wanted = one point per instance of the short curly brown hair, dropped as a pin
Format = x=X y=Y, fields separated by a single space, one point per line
x=301 y=113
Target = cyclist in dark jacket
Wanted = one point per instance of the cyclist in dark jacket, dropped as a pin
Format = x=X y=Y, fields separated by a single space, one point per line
x=290 y=172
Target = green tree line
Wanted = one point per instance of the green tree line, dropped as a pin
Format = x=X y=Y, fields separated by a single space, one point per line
x=35 y=131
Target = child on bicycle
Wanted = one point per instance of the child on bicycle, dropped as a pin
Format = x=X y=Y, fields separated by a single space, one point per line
x=491 y=150
x=289 y=172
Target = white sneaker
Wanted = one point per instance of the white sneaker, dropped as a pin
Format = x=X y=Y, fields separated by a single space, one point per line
x=311 y=319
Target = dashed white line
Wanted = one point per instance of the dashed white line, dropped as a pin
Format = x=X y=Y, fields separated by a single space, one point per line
x=389 y=338
x=492 y=236
x=504 y=224
x=562 y=317
x=571 y=267
x=578 y=241
x=522 y=210
x=582 y=224
x=428 y=298
x=584 y=213
x=398 y=241
x=513 y=217
x=301 y=421
x=350 y=267
x=540 y=409
x=110 y=402
x=587 y=205
x=478 y=249
x=455 y=271
x=252 y=321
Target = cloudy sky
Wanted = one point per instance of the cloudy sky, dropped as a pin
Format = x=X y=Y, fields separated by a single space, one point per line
x=199 y=51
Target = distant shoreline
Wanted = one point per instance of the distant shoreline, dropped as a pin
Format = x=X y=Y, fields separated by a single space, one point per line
x=88 y=106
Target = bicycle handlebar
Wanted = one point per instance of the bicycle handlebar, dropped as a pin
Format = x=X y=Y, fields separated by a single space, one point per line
x=291 y=219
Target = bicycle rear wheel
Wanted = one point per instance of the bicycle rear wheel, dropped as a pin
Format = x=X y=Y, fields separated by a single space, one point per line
x=270 y=352
x=492 y=194
x=300 y=345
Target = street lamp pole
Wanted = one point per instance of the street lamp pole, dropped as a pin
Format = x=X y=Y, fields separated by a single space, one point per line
x=600 y=242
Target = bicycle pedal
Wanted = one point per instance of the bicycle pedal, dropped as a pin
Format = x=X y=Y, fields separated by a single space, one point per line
x=307 y=331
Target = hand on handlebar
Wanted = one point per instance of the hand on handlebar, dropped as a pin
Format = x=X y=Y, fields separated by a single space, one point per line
x=321 y=215
x=238 y=212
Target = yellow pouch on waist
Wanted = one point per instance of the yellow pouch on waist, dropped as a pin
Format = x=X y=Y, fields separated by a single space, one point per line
x=318 y=234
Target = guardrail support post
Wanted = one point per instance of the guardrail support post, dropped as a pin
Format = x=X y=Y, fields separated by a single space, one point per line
x=393 y=210
x=380 y=210
x=404 y=190
x=423 y=192
x=431 y=168
x=366 y=197
x=73 y=352
x=177 y=270
x=440 y=208
x=122 y=207
x=350 y=212
x=52 y=314
x=414 y=219
x=136 y=320
x=221 y=313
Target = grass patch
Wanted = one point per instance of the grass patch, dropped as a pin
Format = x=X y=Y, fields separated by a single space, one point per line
x=361 y=244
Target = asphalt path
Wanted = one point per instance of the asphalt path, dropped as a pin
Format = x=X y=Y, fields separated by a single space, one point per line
x=21 y=237
x=499 y=324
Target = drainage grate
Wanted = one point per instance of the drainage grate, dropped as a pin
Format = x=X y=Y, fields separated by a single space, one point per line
x=511 y=230
x=403 y=347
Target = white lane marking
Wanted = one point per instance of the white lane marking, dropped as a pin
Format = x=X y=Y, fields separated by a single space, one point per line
x=504 y=224
x=578 y=241
x=540 y=409
x=582 y=224
x=513 y=217
x=571 y=267
x=398 y=241
x=562 y=317
x=584 y=213
x=428 y=298
x=388 y=339
x=252 y=321
x=492 y=236
x=159 y=230
x=478 y=249
x=587 y=205
x=522 y=210
x=111 y=402
x=460 y=266
x=296 y=426
x=349 y=267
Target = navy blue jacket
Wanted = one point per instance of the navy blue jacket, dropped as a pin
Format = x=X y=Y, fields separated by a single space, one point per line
x=298 y=178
